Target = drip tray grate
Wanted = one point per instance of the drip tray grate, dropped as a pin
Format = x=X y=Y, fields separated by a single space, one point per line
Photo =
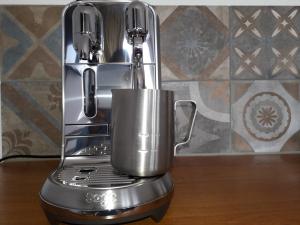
x=102 y=175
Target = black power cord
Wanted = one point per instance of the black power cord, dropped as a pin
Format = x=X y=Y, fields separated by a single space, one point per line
x=29 y=157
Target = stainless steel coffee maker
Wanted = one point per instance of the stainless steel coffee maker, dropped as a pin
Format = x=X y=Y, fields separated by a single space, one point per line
x=106 y=45
x=111 y=82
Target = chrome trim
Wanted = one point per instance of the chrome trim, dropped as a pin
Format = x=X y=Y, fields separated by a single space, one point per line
x=85 y=130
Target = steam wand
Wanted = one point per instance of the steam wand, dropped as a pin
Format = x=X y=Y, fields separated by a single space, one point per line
x=138 y=69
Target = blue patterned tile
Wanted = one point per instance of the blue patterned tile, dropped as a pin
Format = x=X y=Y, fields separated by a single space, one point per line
x=265 y=115
x=194 y=43
x=14 y=42
x=265 y=42
x=54 y=42
x=284 y=51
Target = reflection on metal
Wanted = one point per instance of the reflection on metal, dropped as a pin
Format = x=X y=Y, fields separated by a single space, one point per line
x=87 y=32
x=105 y=44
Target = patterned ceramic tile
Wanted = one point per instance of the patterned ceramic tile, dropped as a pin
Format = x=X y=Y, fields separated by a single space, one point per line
x=46 y=96
x=31 y=117
x=37 y=19
x=194 y=44
x=197 y=43
x=14 y=42
x=239 y=145
x=248 y=55
x=18 y=138
x=54 y=41
x=222 y=13
x=264 y=115
x=285 y=55
x=292 y=145
x=287 y=22
x=38 y=65
x=32 y=42
x=211 y=131
x=247 y=21
x=264 y=42
x=285 y=60
x=164 y=12
x=248 y=64
x=167 y=74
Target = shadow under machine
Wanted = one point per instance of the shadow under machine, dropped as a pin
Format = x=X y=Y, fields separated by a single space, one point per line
x=105 y=46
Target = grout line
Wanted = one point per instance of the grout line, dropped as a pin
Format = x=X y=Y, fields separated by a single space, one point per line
x=230 y=117
x=234 y=79
x=239 y=154
x=230 y=79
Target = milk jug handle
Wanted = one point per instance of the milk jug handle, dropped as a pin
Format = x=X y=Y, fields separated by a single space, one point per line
x=188 y=135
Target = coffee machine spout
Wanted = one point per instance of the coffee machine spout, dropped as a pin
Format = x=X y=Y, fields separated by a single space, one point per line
x=136 y=22
x=87 y=32
x=137 y=30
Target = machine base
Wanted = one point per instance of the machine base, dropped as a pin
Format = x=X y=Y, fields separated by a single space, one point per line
x=95 y=193
x=155 y=210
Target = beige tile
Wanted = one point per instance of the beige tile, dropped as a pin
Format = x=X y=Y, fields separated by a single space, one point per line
x=164 y=12
x=37 y=19
x=222 y=13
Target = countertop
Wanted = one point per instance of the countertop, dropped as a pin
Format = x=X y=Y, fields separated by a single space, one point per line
x=221 y=190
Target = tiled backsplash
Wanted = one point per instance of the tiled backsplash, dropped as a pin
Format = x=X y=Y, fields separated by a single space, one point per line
x=240 y=64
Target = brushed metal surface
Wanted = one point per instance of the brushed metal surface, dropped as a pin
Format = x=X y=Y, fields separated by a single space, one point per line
x=93 y=145
x=78 y=198
x=155 y=209
x=87 y=32
x=143 y=131
x=106 y=29
x=86 y=130
x=116 y=45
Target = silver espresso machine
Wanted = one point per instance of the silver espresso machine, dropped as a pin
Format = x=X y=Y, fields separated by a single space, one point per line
x=106 y=45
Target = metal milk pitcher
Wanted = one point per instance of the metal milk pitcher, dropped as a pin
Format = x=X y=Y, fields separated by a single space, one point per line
x=143 y=130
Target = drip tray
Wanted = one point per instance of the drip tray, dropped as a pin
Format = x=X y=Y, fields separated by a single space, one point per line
x=96 y=187
x=102 y=175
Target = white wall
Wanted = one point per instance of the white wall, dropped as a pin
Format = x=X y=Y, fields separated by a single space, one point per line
x=167 y=2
